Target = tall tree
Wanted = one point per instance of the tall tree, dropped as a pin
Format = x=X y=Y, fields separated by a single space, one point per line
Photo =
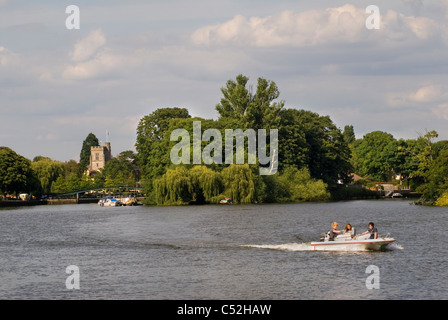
x=90 y=141
x=153 y=135
x=255 y=110
x=349 y=134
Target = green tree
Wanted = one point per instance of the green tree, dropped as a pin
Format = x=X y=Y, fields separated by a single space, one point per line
x=319 y=145
x=436 y=180
x=90 y=141
x=252 y=110
x=60 y=185
x=74 y=183
x=239 y=183
x=301 y=186
x=153 y=135
x=374 y=154
x=47 y=171
x=426 y=155
x=16 y=174
x=121 y=171
x=174 y=187
x=349 y=134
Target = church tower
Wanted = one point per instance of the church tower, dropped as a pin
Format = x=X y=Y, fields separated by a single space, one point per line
x=99 y=156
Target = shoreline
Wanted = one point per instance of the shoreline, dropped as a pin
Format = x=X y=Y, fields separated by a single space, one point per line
x=22 y=203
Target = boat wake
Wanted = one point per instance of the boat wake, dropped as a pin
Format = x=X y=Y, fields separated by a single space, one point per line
x=284 y=246
x=395 y=246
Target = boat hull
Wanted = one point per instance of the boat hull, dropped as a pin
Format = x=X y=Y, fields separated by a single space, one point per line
x=352 y=245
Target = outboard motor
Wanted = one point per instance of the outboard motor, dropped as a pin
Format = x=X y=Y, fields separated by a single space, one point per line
x=325 y=236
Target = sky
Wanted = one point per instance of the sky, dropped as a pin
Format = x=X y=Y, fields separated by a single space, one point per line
x=129 y=58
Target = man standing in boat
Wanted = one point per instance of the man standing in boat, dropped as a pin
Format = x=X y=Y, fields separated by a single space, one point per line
x=372 y=230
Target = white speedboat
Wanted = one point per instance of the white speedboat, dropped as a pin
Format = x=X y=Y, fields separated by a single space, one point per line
x=347 y=243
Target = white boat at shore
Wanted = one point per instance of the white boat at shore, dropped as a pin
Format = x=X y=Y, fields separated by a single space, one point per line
x=109 y=201
x=347 y=243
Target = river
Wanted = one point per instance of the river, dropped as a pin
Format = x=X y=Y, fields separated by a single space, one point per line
x=219 y=252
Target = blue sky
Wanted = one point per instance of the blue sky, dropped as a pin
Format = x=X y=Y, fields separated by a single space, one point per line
x=131 y=57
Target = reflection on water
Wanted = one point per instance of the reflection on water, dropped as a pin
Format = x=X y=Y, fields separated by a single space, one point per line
x=218 y=252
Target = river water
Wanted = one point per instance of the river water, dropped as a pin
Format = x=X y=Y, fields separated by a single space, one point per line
x=219 y=252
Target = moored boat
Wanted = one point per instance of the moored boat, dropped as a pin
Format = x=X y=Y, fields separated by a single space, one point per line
x=226 y=201
x=109 y=202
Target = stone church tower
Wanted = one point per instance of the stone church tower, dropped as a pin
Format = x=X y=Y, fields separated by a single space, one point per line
x=99 y=156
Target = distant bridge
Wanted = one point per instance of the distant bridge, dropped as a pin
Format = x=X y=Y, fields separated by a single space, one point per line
x=73 y=197
x=77 y=193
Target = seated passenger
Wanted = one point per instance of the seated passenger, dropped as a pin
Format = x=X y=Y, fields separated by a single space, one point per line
x=348 y=229
x=372 y=230
x=334 y=231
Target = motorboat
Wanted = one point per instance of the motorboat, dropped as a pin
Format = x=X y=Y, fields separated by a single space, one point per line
x=345 y=242
x=109 y=202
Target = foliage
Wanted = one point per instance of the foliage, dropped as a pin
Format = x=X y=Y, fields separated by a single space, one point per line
x=16 y=174
x=90 y=141
x=373 y=155
x=153 y=143
x=436 y=180
x=47 y=171
x=301 y=186
x=310 y=143
x=442 y=201
x=349 y=134
x=174 y=187
x=252 y=110
x=201 y=184
x=313 y=141
x=121 y=171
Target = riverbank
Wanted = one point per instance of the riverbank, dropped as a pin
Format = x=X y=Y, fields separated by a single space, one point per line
x=22 y=203
x=25 y=203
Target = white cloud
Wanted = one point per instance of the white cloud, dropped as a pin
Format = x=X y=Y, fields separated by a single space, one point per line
x=87 y=47
x=8 y=58
x=345 y=24
x=101 y=64
x=441 y=111
x=287 y=28
x=426 y=95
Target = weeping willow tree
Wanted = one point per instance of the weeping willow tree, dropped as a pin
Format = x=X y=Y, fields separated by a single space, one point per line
x=239 y=183
x=207 y=184
x=200 y=184
x=174 y=187
x=181 y=186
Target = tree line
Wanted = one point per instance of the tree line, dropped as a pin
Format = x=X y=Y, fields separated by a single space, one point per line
x=315 y=158
x=45 y=176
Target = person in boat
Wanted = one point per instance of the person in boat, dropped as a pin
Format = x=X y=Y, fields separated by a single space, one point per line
x=348 y=229
x=372 y=230
x=334 y=231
